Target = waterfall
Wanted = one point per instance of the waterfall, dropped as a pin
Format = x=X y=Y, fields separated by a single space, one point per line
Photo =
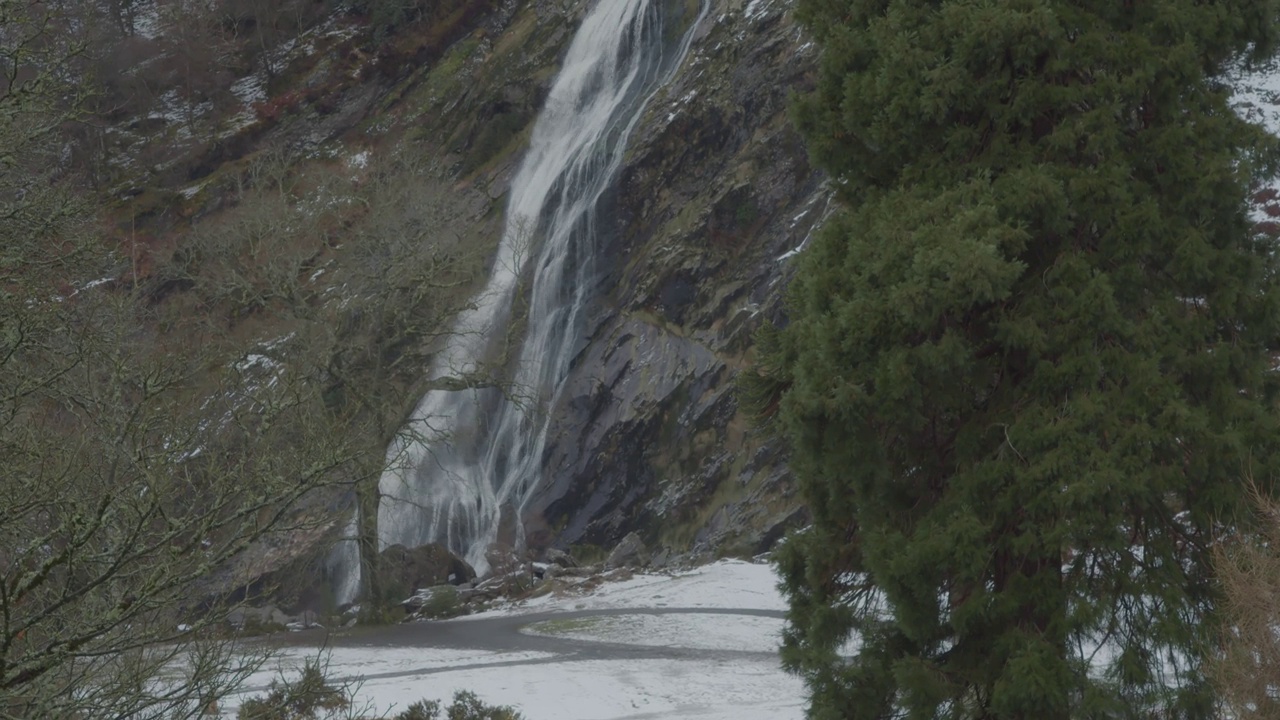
x=469 y=452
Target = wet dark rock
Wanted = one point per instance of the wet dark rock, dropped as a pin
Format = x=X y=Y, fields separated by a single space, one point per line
x=629 y=553
x=503 y=559
x=508 y=530
x=253 y=620
x=403 y=570
x=560 y=557
x=546 y=571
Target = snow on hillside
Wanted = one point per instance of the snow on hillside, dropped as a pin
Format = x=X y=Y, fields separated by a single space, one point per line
x=1256 y=97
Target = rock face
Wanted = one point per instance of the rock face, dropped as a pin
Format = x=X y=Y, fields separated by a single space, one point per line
x=406 y=570
x=716 y=192
x=630 y=552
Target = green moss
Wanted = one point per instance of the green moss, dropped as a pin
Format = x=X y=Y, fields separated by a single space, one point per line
x=373 y=615
x=517 y=37
x=588 y=554
x=444 y=603
x=500 y=137
x=684 y=12
x=443 y=81
x=149 y=202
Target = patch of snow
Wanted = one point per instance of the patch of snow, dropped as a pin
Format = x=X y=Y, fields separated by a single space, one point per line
x=605 y=690
x=239 y=121
x=825 y=195
x=250 y=89
x=793 y=251
x=146 y=20
x=178 y=110
x=94 y=283
x=1256 y=97
x=729 y=689
x=725 y=584
x=254 y=361
x=360 y=667
x=756 y=9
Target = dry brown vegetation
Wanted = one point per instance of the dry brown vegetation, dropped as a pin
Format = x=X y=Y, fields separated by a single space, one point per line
x=1247 y=671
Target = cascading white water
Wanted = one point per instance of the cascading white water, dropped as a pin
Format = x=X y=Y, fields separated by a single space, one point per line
x=467 y=453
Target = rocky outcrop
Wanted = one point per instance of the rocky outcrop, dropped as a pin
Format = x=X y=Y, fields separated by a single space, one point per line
x=629 y=553
x=716 y=192
x=555 y=556
x=403 y=570
x=258 y=620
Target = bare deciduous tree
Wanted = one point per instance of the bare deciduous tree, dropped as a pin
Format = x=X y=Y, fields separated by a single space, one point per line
x=156 y=451
x=139 y=469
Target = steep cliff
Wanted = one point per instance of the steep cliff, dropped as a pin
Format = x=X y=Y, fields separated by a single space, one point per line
x=715 y=193
x=356 y=150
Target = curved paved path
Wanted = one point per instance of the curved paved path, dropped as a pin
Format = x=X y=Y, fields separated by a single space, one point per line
x=503 y=634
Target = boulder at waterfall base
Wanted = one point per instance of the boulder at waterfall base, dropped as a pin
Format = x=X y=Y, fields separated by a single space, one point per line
x=629 y=553
x=403 y=571
x=560 y=557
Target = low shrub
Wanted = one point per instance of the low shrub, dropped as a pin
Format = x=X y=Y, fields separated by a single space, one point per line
x=312 y=697
x=443 y=603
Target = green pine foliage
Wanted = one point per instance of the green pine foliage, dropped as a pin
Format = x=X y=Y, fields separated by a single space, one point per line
x=1029 y=366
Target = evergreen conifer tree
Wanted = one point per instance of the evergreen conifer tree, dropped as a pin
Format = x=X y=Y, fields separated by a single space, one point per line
x=1029 y=365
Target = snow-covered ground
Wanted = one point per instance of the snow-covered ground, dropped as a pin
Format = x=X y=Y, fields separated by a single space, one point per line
x=549 y=686
x=725 y=584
